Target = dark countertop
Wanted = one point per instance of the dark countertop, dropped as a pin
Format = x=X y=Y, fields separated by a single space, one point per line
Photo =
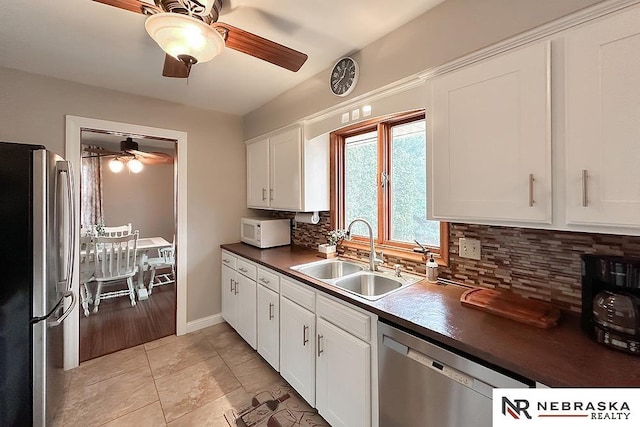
x=563 y=356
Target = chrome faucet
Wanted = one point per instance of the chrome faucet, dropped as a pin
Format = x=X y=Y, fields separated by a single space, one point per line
x=373 y=258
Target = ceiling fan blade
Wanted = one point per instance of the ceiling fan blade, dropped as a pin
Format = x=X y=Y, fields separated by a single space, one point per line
x=100 y=151
x=153 y=157
x=175 y=67
x=131 y=5
x=259 y=47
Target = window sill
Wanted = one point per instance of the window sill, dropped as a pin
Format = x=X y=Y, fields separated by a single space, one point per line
x=394 y=252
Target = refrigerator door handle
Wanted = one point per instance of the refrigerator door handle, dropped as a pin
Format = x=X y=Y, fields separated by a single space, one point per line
x=66 y=167
x=59 y=320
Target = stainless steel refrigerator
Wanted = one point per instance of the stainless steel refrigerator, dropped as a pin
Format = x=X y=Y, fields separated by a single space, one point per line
x=36 y=252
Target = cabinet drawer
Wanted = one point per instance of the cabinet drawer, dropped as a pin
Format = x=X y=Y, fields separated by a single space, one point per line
x=298 y=294
x=269 y=279
x=348 y=319
x=229 y=260
x=247 y=269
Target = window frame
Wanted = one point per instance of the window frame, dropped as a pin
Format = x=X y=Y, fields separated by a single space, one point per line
x=383 y=126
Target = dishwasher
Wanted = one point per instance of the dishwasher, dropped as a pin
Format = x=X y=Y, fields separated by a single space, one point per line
x=423 y=384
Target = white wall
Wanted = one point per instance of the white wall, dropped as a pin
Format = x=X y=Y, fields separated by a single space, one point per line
x=452 y=29
x=143 y=199
x=33 y=109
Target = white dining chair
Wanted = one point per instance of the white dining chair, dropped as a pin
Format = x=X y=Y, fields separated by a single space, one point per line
x=87 y=270
x=166 y=259
x=117 y=231
x=116 y=260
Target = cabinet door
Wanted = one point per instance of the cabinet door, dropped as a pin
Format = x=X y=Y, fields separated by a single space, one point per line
x=343 y=390
x=247 y=310
x=297 y=348
x=269 y=326
x=258 y=174
x=602 y=119
x=489 y=154
x=229 y=300
x=286 y=170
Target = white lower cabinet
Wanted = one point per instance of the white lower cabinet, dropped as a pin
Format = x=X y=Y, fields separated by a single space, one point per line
x=246 y=324
x=229 y=294
x=343 y=377
x=269 y=326
x=297 y=348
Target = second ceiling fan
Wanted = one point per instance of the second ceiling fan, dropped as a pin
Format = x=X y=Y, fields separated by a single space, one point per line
x=189 y=32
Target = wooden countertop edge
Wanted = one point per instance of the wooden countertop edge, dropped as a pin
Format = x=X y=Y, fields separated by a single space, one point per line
x=543 y=372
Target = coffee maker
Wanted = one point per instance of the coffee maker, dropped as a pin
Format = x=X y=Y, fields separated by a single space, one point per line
x=611 y=301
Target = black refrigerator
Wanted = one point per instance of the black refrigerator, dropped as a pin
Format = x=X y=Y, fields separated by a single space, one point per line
x=37 y=255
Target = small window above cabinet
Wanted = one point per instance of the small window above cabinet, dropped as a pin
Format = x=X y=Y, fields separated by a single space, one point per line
x=489 y=143
x=287 y=172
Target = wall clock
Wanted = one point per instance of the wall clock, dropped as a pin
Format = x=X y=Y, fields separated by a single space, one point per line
x=344 y=76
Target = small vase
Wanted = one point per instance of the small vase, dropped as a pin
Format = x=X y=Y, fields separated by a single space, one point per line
x=327 y=250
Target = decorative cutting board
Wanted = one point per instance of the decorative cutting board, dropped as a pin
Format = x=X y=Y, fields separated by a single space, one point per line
x=512 y=306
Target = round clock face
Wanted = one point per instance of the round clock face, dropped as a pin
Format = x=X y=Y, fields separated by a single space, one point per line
x=344 y=76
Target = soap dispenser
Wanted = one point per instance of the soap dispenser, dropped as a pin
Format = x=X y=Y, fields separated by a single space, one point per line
x=432 y=270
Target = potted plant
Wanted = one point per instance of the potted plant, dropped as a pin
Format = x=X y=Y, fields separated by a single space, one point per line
x=333 y=238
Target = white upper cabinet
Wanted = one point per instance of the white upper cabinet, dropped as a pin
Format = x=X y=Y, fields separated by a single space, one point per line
x=258 y=174
x=603 y=122
x=286 y=172
x=489 y=144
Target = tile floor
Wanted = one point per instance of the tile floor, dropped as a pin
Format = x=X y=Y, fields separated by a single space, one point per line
x=189 y=380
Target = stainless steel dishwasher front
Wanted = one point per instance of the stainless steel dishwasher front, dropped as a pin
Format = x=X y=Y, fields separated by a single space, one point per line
x=422 y=384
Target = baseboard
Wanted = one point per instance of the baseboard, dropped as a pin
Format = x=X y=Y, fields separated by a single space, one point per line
x=204 y=322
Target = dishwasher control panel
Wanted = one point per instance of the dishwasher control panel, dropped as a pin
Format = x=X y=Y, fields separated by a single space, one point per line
x=445 y=370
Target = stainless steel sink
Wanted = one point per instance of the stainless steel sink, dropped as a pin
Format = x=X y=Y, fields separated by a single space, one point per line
x=355 y=278
x=329 y=269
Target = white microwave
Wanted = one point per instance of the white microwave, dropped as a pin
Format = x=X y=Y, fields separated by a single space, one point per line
x=265 y=232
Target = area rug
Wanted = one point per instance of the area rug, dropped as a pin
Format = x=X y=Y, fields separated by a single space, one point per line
x=279 y=406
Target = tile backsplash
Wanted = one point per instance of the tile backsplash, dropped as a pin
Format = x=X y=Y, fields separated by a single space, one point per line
x=540 y=264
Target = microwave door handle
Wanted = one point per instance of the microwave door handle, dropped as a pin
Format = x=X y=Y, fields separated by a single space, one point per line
x=66 y=168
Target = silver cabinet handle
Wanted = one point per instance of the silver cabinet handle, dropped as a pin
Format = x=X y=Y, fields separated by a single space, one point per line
x=585 y=177
x=271 y=316
x=244 y=270
x=230 y=285
x=305 y=338
x=271 y=194
x=235 y=288
x=265 y=281
x=320 y=350
x=264 y=194
x=531 y=190
x=226 y=261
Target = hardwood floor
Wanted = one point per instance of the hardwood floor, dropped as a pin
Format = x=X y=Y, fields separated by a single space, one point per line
x=117 y=325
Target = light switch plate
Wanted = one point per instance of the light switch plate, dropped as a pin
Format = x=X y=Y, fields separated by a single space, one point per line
x=355 y=114
x=469 y=248
x=345 y=117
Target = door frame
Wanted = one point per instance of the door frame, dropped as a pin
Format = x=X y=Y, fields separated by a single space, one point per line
x=74 y=127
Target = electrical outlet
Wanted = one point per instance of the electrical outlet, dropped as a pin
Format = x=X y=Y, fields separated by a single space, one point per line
x=469 y=248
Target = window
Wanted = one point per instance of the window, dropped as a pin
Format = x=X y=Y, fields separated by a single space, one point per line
x=379 y=174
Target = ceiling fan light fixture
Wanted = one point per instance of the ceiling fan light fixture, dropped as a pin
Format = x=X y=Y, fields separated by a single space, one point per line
x=116 y=165
x=182 y=35
x=135 y=165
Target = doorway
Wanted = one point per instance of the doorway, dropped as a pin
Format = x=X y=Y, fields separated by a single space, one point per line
x=128 y=181
x=74 y=128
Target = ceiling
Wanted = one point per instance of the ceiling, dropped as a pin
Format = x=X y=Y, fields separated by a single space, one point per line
x=99 y=45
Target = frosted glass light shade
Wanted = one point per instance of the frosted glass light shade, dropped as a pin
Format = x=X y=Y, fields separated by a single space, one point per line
x=180 y=34
x=116 y=165
x=135 y=165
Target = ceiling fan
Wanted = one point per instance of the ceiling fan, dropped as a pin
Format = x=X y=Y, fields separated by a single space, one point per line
x=129 y=150
x=189 y=32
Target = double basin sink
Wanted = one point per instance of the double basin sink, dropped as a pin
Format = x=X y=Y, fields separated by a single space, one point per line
x=356 y=278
